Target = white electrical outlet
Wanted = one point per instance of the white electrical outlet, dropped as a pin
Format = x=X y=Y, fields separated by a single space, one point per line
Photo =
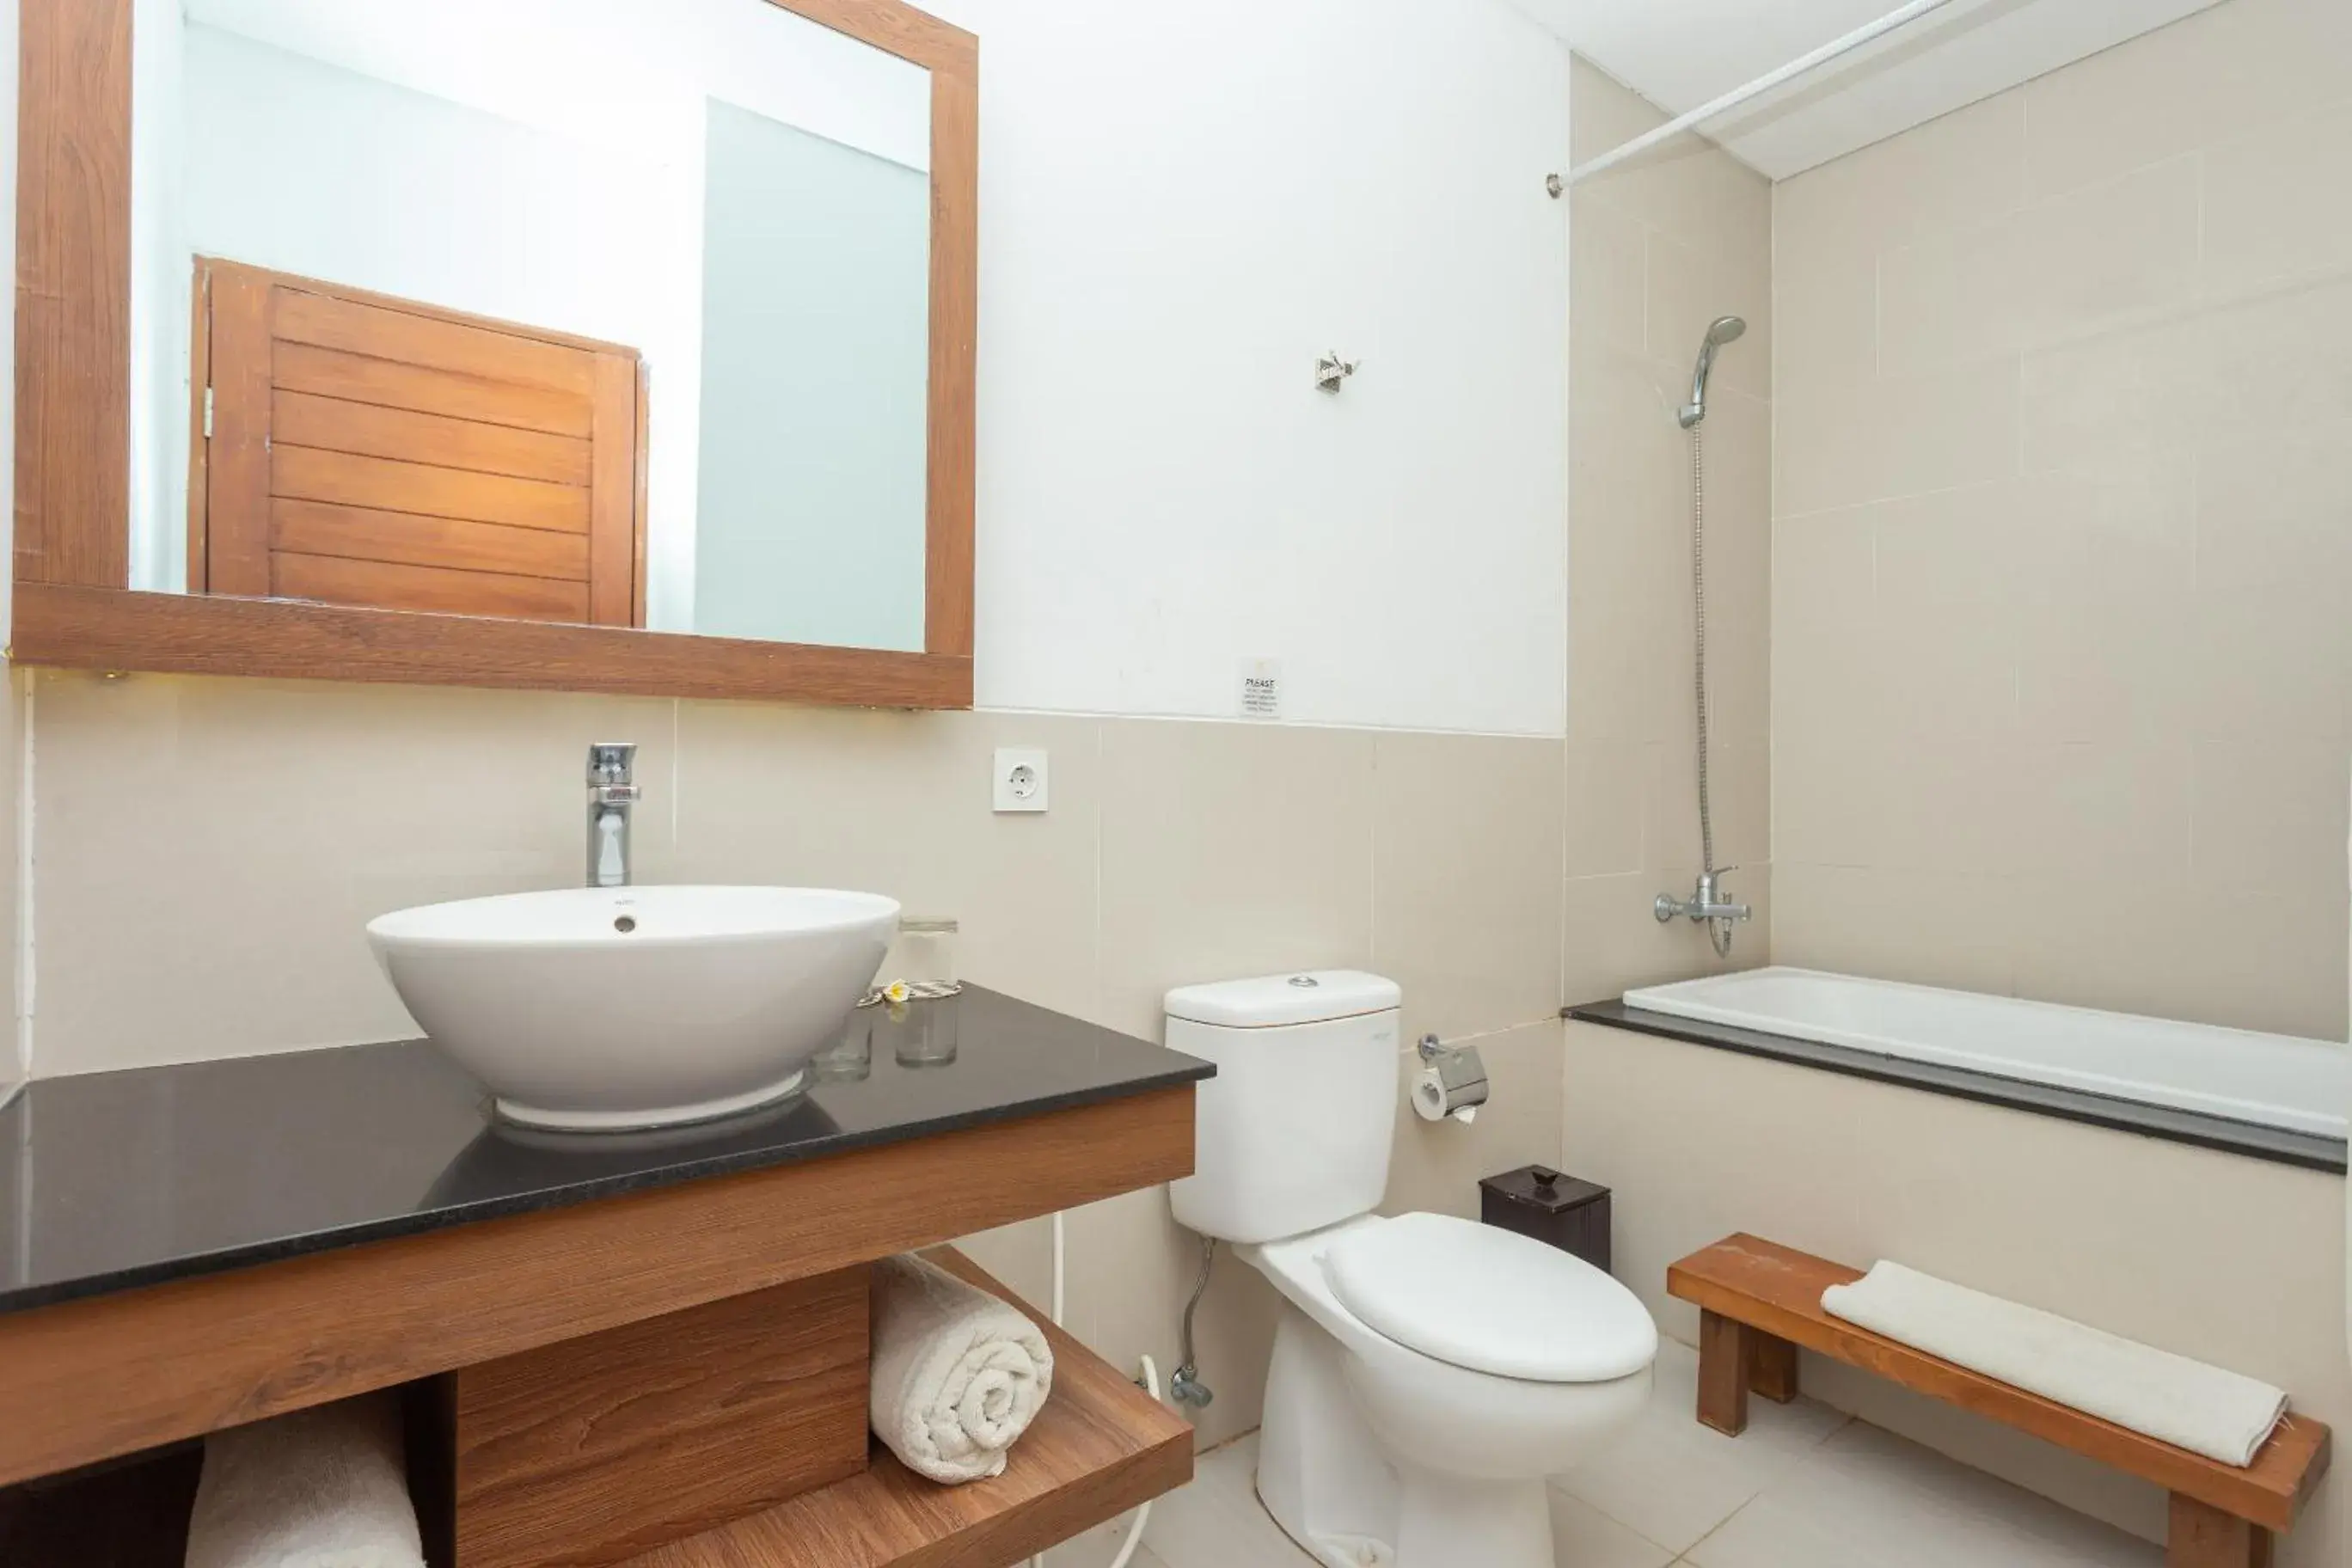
x=1020 y=779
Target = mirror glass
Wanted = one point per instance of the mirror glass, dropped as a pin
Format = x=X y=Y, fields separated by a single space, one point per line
x=587 y=310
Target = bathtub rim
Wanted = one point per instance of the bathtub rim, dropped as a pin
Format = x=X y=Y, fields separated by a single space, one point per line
x=2309 y=1151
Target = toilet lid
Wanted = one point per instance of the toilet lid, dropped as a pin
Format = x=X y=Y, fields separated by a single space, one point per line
x=1491 y=1300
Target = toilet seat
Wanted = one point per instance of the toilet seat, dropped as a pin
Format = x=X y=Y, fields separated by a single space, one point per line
x=1491 y=1300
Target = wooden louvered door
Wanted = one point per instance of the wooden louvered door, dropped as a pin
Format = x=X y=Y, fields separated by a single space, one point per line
x=358 y=449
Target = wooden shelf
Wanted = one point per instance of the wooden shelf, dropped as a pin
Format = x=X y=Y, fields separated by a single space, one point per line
x=1100 y=1447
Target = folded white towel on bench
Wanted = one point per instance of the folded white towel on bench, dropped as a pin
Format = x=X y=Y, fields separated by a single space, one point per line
x=2185 y=1403
x=958 y=1374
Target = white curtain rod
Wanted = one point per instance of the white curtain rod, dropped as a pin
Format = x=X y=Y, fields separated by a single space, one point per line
x=1763 y=84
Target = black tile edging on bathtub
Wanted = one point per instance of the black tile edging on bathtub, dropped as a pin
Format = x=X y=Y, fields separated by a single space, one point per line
x=2308 y=1150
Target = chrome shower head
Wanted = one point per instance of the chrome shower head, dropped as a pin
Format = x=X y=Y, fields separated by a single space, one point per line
x=1719 y=332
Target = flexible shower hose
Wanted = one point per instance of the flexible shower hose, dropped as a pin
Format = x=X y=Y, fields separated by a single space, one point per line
x=1718 y=931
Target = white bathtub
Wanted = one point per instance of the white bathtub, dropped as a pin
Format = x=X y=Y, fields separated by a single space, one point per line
x=2271 y=1080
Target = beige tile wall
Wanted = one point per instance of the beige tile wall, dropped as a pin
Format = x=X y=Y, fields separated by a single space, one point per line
x=2228 y=1259
x=1659 y=248
x=2063 y=535
x=208 y=851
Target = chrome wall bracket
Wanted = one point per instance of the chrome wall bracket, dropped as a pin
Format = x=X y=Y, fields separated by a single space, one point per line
x=1331 y=372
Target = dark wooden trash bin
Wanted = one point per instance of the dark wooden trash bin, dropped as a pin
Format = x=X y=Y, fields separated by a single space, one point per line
x=1538 y=1201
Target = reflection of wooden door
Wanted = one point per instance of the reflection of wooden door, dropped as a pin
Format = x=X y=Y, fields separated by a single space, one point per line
x=364 y=450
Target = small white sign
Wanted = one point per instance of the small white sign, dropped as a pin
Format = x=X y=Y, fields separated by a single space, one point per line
x=1261 y=688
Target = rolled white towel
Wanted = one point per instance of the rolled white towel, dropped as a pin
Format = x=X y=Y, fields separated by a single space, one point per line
x=2191 y=1405
x=324 y=1488
x=958 y=1374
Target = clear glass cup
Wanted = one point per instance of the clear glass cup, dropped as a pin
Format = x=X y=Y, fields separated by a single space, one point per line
x=926 y=956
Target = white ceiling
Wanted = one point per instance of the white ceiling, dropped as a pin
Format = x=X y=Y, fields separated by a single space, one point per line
x=1680 y=53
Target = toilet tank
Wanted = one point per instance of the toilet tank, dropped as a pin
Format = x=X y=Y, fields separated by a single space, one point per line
x=1294 y=1132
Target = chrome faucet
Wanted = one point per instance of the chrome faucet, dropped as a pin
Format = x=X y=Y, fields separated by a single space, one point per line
x=612 y=794
x=1710 y=902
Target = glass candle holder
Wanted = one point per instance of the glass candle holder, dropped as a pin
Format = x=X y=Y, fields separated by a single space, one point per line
x=849 y=1059
x=921 y=1034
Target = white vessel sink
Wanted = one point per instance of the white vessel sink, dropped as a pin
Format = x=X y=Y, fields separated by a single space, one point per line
x=622 y=1007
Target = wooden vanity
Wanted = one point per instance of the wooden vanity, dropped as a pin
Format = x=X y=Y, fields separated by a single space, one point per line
x=662 y=1360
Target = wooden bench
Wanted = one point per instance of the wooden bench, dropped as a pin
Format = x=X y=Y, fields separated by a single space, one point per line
x=1759 y=1302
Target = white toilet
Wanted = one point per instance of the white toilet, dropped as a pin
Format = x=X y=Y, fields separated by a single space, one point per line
x=1429 y=1372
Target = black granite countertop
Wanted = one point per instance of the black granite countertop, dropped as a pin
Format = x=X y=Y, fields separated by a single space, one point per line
x=116 y=1180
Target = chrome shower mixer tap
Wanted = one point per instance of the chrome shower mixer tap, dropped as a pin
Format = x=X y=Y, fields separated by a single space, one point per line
x=1709 y=902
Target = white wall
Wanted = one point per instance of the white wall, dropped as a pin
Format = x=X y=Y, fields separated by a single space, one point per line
x=1165 y=250
x=1181 y=208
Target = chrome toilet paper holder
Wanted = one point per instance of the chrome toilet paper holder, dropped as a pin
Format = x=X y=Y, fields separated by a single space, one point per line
x=1452 y=1082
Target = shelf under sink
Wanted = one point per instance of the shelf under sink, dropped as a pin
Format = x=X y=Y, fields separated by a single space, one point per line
x=1098 y=1447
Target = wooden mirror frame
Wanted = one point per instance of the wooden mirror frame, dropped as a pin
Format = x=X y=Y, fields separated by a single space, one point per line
x=73 y=604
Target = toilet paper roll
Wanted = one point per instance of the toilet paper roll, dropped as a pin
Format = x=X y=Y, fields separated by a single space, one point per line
x=1434 y=1097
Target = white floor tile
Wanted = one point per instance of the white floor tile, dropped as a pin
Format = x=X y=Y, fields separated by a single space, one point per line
x=1802 y=1488
x=1584 y=1537
x=1217 y=1521
x=1867 y=1499
x=1098 y=1547
x=1672 y=1481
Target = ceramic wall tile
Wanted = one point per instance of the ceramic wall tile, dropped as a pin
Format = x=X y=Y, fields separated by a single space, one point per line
x=2087 y=473
x=1468 y=853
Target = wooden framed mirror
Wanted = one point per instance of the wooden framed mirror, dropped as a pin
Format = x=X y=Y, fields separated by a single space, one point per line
x=645 y=364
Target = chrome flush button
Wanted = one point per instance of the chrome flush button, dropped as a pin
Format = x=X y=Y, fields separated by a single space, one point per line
x=1304 y=980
